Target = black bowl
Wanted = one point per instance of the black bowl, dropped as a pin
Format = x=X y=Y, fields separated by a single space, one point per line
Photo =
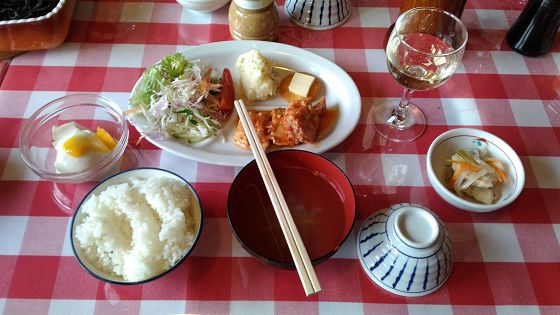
x=122 y=177
x=320 y=198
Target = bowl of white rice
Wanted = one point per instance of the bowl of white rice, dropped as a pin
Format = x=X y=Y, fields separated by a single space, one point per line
x=136 y=226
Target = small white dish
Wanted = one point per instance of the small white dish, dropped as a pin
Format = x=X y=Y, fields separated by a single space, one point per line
x=140 y=173
x=405 y=249
x=318 y=15
x=204 y=6
x=449 y=142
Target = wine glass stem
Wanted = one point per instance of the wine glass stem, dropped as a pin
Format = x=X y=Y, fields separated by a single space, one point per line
x=400 y=113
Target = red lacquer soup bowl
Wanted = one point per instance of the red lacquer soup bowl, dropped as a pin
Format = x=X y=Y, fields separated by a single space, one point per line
x=320 y=197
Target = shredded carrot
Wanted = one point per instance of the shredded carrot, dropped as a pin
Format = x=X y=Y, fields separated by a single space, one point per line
x=205 y=81
x=451 y=183
x=142 y=136
x=466 y=165
x=501 y=174
x=132 y=111
x=453 y=179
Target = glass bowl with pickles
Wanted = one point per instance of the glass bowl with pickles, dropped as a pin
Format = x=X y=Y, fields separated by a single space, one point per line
x=74 y=139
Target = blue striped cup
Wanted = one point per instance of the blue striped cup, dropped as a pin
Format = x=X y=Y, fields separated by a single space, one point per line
x=318 y=14
x=405 y=249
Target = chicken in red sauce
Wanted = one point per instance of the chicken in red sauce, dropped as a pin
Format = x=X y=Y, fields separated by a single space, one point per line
x=261 y=122
x=296 y=124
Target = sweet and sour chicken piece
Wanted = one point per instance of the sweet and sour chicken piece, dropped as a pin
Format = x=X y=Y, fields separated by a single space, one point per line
x=296 y=124
x=261 y=121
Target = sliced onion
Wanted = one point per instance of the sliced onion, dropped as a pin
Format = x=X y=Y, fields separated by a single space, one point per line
x=491 y=171
x=475 y=155
x=482 y=147
x=457 y=185
x=472 y=177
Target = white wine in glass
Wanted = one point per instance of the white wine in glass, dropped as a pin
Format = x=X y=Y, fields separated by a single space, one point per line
x=423 y=51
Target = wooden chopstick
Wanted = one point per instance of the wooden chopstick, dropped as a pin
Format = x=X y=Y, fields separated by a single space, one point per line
x=299 y=254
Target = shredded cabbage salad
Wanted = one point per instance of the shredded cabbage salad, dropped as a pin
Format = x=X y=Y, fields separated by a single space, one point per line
x=180 y=99
x=476 y=174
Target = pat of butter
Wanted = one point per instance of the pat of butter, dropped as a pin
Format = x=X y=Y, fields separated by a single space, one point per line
x=301 y=83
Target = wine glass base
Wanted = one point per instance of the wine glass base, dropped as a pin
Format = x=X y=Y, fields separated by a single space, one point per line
x=388 y=126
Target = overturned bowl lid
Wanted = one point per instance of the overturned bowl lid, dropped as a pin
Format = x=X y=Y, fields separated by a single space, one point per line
x=405 y=249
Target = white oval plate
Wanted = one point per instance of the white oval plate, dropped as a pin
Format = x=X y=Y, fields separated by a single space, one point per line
x=338 y=88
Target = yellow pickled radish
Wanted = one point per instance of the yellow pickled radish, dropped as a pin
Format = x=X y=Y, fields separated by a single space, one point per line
x=106 y=138
x=81 y=144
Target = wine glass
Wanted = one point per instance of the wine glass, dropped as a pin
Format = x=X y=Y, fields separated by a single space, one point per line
x=425 y=47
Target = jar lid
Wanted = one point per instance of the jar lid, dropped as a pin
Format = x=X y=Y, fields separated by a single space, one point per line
x=253 y=4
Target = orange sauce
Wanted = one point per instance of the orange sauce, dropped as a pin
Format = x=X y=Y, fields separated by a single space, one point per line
x=327 y=122
x=284 y=89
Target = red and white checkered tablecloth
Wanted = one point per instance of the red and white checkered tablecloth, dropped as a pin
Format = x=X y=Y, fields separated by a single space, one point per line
x=506 y=262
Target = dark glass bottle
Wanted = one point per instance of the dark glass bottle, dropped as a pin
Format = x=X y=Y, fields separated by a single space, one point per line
x=533 y=32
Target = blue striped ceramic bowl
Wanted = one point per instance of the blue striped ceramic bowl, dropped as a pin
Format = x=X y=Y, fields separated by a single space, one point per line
x=405 y=249
x=318 y=14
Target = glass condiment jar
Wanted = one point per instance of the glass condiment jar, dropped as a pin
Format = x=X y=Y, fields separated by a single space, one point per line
x=452 y=6
x=253 y=19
